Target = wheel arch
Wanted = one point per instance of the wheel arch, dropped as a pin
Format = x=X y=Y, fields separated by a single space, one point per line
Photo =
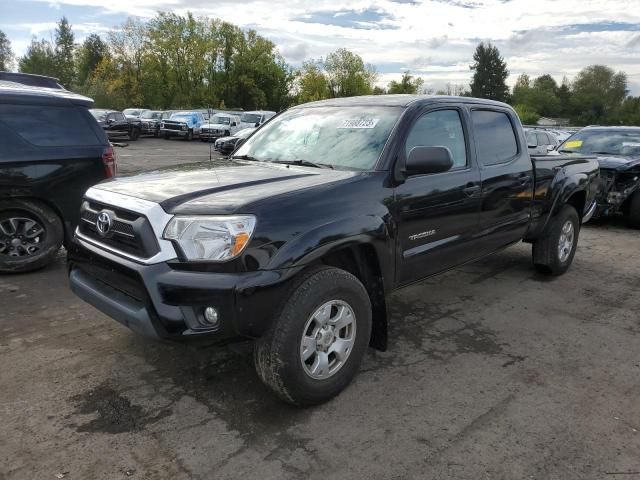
x=362 y=262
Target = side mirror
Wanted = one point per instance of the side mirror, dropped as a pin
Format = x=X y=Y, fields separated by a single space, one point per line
x=257 y=124
x=423 y=160
x=234 y=124
x=550 y=148
x=240 y=142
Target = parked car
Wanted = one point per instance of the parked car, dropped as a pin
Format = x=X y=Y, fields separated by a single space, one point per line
x=320 y=214
x=227 y=145
x=618 y=152
x=134 y=113
x=220 y=125
x=51 y=151
x=150 y=122
x=540 y=142
x=255 y=119
x=117 y=125
x=182 y=124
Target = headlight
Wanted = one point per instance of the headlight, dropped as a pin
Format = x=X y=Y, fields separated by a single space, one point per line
x=214 y=239
x=184 y=127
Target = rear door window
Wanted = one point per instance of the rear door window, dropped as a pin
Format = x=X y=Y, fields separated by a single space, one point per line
x=494 y=136
x=49 y=126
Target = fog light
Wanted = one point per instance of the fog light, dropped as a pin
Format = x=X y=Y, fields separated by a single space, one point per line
x=211 y=316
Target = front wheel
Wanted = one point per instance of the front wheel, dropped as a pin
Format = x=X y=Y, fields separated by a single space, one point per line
x=553 y=254
x=189 y=136
x=134 y=134
x=315 y=347
x=30 y=235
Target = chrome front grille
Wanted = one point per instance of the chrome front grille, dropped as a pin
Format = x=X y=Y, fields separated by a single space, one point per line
x=129 y=232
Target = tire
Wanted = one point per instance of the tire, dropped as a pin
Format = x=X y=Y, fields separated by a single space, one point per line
x=134 y=134
x=189 y=136
x=19 y=220
x=549 y=256
x=278 y=356
x=632 y=213
x=166 y=136
x=227 y=133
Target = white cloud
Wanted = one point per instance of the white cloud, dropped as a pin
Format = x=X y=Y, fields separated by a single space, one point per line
x=434 y=38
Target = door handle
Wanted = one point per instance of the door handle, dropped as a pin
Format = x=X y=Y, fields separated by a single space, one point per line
x=471 y=190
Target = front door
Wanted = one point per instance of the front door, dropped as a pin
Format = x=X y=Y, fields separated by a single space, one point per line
x=437 y=213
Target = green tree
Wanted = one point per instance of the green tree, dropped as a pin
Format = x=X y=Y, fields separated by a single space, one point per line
x=6 y=54
x=92 y=51
x=522 y=91
x=527 y=115
x=597 y=95
x=64 y=50
x=490 y=74
x=407 y=84
x=312 y=82
x=40 y=58
x=347 y=74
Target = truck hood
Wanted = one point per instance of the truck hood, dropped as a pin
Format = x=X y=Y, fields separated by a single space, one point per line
x=222 y=187
x=220 y=126
x=618 y=162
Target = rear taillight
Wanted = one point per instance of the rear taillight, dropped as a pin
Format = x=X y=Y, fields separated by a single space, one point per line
x=109 y=161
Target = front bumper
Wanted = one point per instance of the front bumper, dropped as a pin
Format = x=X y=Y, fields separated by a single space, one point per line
x=161 y=302
x=173 y=133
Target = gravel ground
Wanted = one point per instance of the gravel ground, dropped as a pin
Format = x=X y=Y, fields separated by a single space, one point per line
x=492 y=372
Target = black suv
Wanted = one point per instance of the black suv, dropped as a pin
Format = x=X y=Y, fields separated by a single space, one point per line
x=51 y=151
x=117 y=125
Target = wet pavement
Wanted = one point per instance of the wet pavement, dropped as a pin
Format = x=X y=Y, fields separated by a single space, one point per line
x=492 y=372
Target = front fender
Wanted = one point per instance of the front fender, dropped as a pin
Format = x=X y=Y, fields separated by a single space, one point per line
x=314 y=244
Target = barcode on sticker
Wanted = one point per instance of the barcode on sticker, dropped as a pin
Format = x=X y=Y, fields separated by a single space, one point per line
x=359 y=123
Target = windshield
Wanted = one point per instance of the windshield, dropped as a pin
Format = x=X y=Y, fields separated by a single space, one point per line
x=99 y=115
x=220 y=119
x=185 y=117
x=150 y=115
x=343 y=137
x=132 y=111
x=250 y=118
x=603 y=142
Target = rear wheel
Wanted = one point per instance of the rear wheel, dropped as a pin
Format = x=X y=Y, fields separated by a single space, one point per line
x=30 y=235
x=315 y=346
x=632 y=213
x=553 y=254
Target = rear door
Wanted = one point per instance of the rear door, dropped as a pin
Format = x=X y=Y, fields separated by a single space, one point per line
x=506 y=172
x=437 y=213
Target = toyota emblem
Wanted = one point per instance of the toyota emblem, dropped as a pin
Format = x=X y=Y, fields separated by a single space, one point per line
x=103 y=223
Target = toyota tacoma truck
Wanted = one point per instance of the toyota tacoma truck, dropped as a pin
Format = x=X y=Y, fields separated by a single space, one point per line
x=296 y=240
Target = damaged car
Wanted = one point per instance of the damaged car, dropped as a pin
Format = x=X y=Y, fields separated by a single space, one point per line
x=618 y=153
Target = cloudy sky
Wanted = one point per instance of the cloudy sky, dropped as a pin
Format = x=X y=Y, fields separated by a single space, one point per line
x=433 y=38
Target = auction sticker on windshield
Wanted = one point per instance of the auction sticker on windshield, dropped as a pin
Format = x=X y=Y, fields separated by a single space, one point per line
x=573 y=144
x=359 y=123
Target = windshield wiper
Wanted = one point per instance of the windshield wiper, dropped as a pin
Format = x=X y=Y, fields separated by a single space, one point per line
x=246 y=157
x=304 y=163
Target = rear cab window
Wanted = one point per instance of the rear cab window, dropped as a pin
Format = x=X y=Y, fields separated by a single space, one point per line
x=495 y=137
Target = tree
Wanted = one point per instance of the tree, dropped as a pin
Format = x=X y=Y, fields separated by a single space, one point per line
x=347 y=74
x=90 y=54
x=522 y=91
x=527 y=115
x=408 y=84
x=40 y=58
x=6 y=54
x=490 y=74
x=597 y=95
x=312 y=82
x=64 y=49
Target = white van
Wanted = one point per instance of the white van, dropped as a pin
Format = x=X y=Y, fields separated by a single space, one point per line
x=220 y=125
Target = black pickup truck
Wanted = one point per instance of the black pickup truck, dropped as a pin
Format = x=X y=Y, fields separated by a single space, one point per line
x=296 y=240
